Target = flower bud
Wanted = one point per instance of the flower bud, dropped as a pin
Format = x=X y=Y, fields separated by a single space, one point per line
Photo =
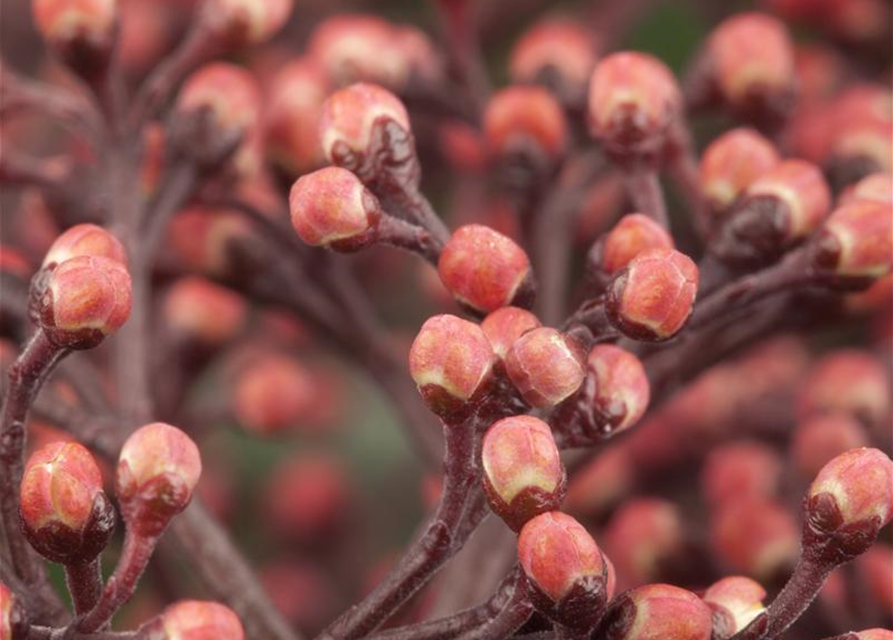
x=203 y=239
x=485 y=270
x=522 y=118
x=602 y=483
x=523 y=474
x=819 y=439
x=85 y=240
x=643 y=536
x=753 y=61
x=874 y=634
x=272 y=394
x=13 y=624
x=652 y=298
x=505 y=325
x=242 y=22
x=756 y=537
x=81 y=31
x=557 y=53
x=738 y=599
x=451 y=361
x=740 y=470
x=850 y=500
x=228 y=93
x=860 y=141
x=847 y=381
x=621 y=392
x=633 y=100
x=307 y=497
x=857 y=240
x=349 y=116
x=196 y=620
x=331 y=207
x=546 y=366
x=659 y=611
x=199 y=311
x=877 y=187
x=65 y=514
x=633 y=234
x=85 y=299
x=567 y=573
x=732 y=162
x=158 y=470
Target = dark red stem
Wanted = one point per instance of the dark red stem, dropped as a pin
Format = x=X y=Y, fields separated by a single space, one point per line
x=84 y=584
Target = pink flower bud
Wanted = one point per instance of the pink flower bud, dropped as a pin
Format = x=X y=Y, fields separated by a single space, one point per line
x=307 y=497
x=753 y=60
x=740 y=599
x=484 y=269
x=65 y=513
x=331 y=207
x=546 y=366
x=350 y=114
x=227 y=92
x=558 y=53
x=522 y=116
x=241 y=22
x=451 y=361
x=86 y=299
x=740 y=470
x=523 y=474
x=732 y=162
x=875 y=634
x=563 y=564
x=633 y=99
x=819 y=439
x=158 y=470
x=621 y=391
x=633 y=234
x=292 y=121
x=857 y=240
x=877 y=187
x=653 y=297
x=860 y=141
x=195 y=620
x=642 y=537
x=800 y=188
x=85 y=240
x=602 y=483
x=505 y=325
x=860 y=483
x=12 y=616
x=70 y=25
x=660 y=611
x=759 y=538
x=200 y=311
x=203 y=238
x=272 y=394
x=847 y=381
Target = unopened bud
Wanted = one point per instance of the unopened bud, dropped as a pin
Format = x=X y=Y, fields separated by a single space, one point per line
x=525 y=118
x=557 y=53
x=621 y=392
x=200 y=311
x=81 y=31
x=241 y=22
x=820 y=438
x=642 y=537
x=633 y=234
x=228 y=93
x=504 y=326
x=769 y=543
x=546 y=366
x=85 y=240
x=857 y=240
x=196 y=620
x=273 y=394
x=740 y=470
x=732 y=162
x=738 y=599
x=659 y=611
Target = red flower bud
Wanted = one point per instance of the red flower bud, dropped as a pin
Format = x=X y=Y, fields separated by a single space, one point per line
x=65 y=514
x=308 y=497
x=558 y=53
x=350 y=114
x=484 y=269
x=198 y=310
x=520 y=117
x=85 y=240
x=86 y=299
x=740 y=470
x=272 y=394
x=195 y=620
x=633 y=234
x=875 y=634
x=877 y=187
x=740 y=600
x=331 y=207
x=157 y=472
x=227 y=92
x=642 y=536
x=633 y=99
x=202 y=238
x=800 y=186
x=12 y=617
x=82 y=31
x=523 y=474
x=847 y=381
x=820 y=438
x=732 y=162
x=860 y=141
x=621 y=391
x=241 y=22
x=857 y=240
x=753 y=61
x=451 y=361
x=563 y=564
x=756 y=537
x=504 y=326
x=546 y=366
x=860 y=482
x=652 y=298
x=660 y=611
x=600 y=484
x=297 y=94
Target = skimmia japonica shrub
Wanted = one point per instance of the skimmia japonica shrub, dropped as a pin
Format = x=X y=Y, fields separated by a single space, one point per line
x=631 y=318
